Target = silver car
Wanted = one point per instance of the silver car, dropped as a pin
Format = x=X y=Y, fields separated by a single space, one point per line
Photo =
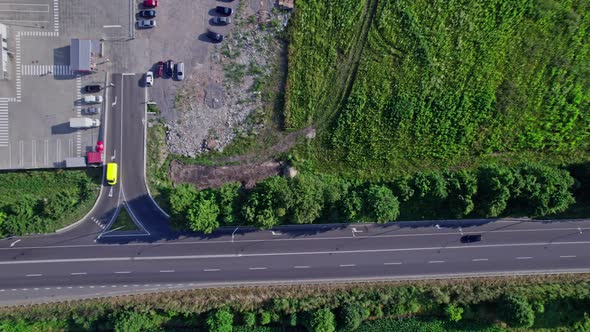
x=92 y=110
x=179 y=71
x=147 y=23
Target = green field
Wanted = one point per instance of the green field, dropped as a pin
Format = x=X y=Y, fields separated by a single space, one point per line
x=440 y=84
x=45 y=201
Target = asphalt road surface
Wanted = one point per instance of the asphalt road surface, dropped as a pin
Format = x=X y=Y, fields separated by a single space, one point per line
x=91 y=259
x=291 y=255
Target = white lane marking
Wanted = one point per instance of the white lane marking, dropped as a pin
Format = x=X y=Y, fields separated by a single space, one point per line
x=123 y=272
x=303 y=253
x=210 y=270
x=568 y=256
x=166 y=271
x=34 y=275
x=78 y=273
x=393 y=263
x=524 y=257
x=257 y=268
x=479 y=259
x=15 y=242
x=111 y=26
x=347 y=265
x=302 y=267
x=128 y=74
x=435 y=262
x=335 y=238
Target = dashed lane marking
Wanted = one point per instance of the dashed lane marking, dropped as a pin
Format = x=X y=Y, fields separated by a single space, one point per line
x=568 y=256
x=522 y=258
x=211 y=270
x=166 y=271
x=257 y=268
x=302 y=267
x=347 y=265
x=122 y=272
x=479 y=259
x=78 y=273
x=393 y=263
x=34 y=275
x=435 y=262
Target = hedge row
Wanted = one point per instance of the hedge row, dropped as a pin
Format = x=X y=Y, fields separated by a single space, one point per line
x=489 y=191
x=475 y=305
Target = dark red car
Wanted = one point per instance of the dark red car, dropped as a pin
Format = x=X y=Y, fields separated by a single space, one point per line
x=150 y=3
x=160 y=69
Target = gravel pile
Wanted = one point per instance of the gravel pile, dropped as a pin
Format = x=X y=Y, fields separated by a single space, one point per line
x=224 y=100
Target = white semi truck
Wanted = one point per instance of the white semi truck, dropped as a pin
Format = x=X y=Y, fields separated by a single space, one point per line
x=84 y=123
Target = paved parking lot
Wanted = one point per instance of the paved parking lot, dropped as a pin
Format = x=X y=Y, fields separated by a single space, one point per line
x=43 y=92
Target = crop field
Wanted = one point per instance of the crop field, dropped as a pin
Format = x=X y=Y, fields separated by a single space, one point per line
x=444 y=82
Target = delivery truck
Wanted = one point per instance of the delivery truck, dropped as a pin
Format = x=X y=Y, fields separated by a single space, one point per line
x=84 y=123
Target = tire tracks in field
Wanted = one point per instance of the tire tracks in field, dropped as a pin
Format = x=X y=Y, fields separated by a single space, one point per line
x=347 y=75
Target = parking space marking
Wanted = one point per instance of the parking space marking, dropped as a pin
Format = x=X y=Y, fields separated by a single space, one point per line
x=46 y=154
x=21 y=149
x=34 y=153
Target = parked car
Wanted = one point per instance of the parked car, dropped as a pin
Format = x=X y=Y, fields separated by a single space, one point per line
x=92 y=110
x=179 y=71
x=471 y=238
x=147 y=13
x=224 y=10
x=146 y=23
x=93 y=99
x=217 y=37
x=92 y=88
x=169 y=68
x=149 y=78
x=160 y=69
x=222 y=20
x=150 y=3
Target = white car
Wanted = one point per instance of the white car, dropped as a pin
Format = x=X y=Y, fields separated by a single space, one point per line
x=147 y=23
x=93 y=99
x=149 y=78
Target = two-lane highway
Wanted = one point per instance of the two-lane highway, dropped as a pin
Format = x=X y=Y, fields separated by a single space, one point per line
x=289 y=254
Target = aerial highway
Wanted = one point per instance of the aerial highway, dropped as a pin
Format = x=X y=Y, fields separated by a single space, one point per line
x=91 y=259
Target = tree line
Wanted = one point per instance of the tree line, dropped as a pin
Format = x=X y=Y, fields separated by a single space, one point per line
x=561 y=302
x=489 y=191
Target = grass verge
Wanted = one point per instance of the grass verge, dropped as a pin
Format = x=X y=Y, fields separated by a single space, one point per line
x=124 y=222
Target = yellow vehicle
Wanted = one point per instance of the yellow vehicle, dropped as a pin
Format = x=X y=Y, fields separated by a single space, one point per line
x=112 y=173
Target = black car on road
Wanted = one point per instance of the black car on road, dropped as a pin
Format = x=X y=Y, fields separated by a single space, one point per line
x=92 y=88
x=216 y=37
x=169 y=68
x=221 y=20
x=224 y=10
x=471 y=238
x=147 y=13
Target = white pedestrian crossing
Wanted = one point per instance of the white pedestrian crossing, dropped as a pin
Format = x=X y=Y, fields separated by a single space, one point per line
x=56 y=16
x=43 y=70
x=3 y=122
x=38 y=33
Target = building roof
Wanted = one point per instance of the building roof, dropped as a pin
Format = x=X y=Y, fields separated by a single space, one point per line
x=80 y=54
